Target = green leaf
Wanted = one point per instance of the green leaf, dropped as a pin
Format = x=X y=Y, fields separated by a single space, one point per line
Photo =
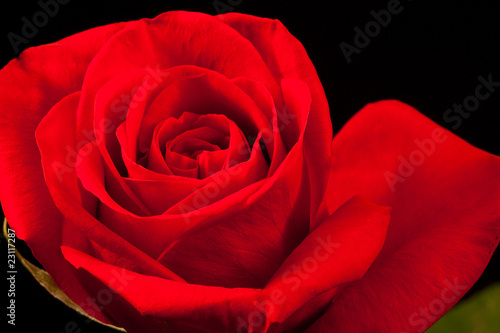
x=478 y=314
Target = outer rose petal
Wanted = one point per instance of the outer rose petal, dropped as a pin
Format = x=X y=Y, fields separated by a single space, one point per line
x=30 y=86
x=76 y=204
x=340 y=250
x=445 y=222
x=342 y=247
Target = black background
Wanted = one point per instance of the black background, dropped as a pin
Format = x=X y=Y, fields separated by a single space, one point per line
x=429 y=56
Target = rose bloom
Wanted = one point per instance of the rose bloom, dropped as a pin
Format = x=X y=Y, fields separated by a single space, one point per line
x=179 y=174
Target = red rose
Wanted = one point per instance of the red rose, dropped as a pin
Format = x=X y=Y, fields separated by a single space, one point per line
x=178 y=175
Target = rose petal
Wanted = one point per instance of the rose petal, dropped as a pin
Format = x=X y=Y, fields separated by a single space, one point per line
x=206 y=93
x=287 y=225
x=263 y=98
x=55 y=139
x=340 y=250
x=277 y=231
x=286 y=58
x=445 y=221
x=224 y=183
x=183 y=305
x=216 y=129
x=30 y=85
x=221 y=51
x=217 y=308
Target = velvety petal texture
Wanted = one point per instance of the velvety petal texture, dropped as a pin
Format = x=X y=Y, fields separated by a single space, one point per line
x=330 y=256
x=181 y=142
x=29 y=87
x=445 y=225
x=177 y=174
